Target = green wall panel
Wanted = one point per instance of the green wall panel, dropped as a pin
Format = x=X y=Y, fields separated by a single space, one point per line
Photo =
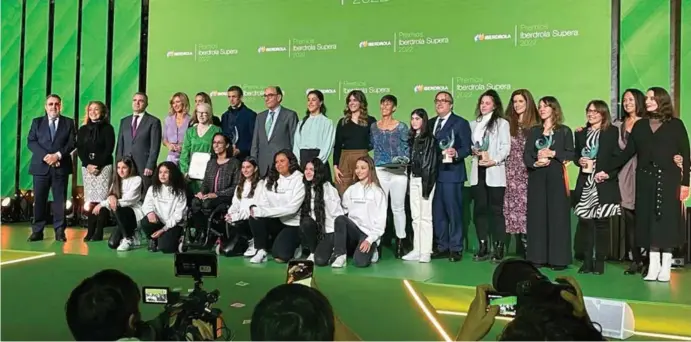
x=35 y=76
x=126 y=33
x=11 y=21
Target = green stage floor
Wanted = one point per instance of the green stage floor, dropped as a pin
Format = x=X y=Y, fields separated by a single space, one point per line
x=35 y=290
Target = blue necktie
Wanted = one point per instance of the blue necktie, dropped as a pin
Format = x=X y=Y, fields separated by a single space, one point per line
x=269 y=122
x=439 y=125
x=52 y=129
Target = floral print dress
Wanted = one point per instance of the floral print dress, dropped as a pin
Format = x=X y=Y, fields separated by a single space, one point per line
x=516 y=196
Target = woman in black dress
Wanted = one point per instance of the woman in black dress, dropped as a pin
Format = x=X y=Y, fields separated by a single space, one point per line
x=660 y=186
x=548 y=147
x=594 y=203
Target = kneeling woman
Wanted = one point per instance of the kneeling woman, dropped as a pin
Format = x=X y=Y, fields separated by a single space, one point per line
x=276 y=212
x=124 y=202
x=165 y=205
x=364 y=223
x=246 y=194
x=319 y=210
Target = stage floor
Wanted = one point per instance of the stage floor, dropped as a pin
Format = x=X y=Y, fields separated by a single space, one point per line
x=36 y=279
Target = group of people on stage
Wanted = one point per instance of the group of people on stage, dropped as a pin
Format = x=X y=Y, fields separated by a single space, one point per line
x=272 y=169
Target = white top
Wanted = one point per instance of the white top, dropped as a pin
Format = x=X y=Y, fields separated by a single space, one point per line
x=366 y=206
x=240 y=209
x=499 y=147
x=131 y=195
x=170 y=209
x=283 y=201
x=332 y=207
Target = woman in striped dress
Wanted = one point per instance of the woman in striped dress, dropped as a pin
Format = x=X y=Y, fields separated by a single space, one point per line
x=596 y=147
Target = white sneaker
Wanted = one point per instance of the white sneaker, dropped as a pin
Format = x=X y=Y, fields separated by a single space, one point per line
x=375 y=256
x=425 y=258
x=340 y=261
x=125 y=245
x=311 y=257
x=412 y=256
x=251 y=251
x=298 y=253
x=259 y=258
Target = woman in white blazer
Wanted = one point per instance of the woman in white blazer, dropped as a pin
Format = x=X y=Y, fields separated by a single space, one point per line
x=124 y=200
x=491 y=144
x=245 y=196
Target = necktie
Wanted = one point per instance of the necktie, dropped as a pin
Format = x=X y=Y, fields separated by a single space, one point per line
x=439 y=126
x=52 y=129
x=134 y=124
x=269 y=122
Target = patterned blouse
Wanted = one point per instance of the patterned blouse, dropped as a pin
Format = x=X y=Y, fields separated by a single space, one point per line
x=389 y=143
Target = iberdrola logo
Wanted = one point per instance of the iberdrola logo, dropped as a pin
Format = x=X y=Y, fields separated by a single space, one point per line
x=261 y=49
x=363 y=44
x=479 y=37
x=418 y=88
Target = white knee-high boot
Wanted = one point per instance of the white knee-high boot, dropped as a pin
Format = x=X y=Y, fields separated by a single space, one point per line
x=666 y=269
x=654 y=266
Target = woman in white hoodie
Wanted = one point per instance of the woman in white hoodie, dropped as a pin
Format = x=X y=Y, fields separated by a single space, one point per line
x=165 y=206
x=319 y=211
x=246 y=193
x=276 y=212
x=124 y=201
x=365 y=221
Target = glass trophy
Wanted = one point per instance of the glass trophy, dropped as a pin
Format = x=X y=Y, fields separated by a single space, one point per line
x=445 y=144
x=590 y=153
x=543 y=143
x=482 y=148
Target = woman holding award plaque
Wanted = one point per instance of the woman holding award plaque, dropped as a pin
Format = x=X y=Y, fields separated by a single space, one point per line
x=547 y=149
x=596 y=147
x=491 y=145
x=196 y=147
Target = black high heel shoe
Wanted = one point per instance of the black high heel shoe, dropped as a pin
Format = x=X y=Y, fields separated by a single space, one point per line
x=482 y=253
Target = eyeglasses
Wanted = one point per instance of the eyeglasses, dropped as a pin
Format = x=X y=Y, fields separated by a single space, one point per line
x=269 y=95
x=437 y=101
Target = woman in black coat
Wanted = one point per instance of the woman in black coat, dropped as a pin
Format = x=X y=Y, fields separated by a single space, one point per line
x=594 y=203
x=660 y=186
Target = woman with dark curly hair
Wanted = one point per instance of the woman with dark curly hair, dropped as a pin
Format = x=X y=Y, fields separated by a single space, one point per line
x=276 y=212
x=164 y=208
x=320 y=208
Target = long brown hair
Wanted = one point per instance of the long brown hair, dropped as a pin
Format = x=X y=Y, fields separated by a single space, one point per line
x=530 y=116
x=601 y=108
x=557 y=113
x=665 y=108
x=254 y=179
x=372 y=178
x=360 y=97
x=104 y=112
x=116 y=188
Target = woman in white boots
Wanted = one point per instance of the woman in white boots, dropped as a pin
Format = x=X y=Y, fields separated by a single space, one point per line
x=246 y=193
x=661 y=187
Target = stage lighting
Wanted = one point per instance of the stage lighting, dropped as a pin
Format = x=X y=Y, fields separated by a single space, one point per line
x=25 y=200
x=8 y=210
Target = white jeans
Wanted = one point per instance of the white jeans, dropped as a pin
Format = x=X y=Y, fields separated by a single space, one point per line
x=394 y=182
x=421 y=211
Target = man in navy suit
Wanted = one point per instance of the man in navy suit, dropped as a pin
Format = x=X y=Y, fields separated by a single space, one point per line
x=447 y=205
x=51 y=141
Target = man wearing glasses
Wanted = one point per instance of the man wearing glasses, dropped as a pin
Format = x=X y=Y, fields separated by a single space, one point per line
x=274 y=129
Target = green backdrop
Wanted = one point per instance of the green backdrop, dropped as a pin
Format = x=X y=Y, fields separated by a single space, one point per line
x=559 y=48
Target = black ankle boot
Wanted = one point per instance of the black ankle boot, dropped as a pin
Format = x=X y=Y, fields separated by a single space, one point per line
x=599 y=267
x=587 y=266
x=634 y=268
x=498 y=253
x=483 y=252
x=399 y=248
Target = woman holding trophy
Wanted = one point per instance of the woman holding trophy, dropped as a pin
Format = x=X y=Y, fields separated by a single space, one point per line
x=491 y=145
x=547 y=149
x=595 y=203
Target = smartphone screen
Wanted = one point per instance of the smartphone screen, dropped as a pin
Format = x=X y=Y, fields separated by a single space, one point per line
x=507 y=303
x=300 y=272
x=155 y=295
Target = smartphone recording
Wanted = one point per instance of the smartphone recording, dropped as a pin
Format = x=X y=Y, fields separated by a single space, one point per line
x=507 y=303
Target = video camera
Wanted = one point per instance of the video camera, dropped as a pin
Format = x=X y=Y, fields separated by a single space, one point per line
x=176 y=323
x=519 y=285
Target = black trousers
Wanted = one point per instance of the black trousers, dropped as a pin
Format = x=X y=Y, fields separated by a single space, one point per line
x=345 y=230
x=286 y=238
x=630 y=227
x=126 y=224
x=322 y=250
x=169 y=241
x=57 y=182
x=96 y=222
x=488 y=209
x=596 y=239
x=202 y=209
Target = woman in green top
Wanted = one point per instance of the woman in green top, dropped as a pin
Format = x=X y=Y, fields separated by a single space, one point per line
x=198 y=138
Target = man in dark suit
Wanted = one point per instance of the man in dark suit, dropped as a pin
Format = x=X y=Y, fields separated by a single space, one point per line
x=239 y=117
x=140 y=138
x=274 y=129
x=51 y=141
x=447 y=205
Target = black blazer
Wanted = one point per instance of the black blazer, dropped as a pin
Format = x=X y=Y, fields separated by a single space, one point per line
x=96 y=151
x=40 y=145
x=608 y=150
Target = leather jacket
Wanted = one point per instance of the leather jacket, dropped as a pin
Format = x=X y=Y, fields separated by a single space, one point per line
x=425 y=153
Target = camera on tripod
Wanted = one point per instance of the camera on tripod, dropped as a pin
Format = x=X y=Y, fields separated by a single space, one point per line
x=180 y=311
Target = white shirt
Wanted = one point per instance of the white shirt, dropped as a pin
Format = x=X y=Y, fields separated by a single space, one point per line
x=275 y=118
x=139 y=120
x=498 y=150
x=130 y=196
x=441 y=120
x=240 y=209
x=169 y=208
x=366 y=206
x=283 y=201
x=332 y=207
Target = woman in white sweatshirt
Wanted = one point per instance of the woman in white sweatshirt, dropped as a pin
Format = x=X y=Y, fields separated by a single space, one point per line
x=276 y=212
x=365 y=221
x=246 y=193
x=319 y=210
x=124 y=201
x=165 y=206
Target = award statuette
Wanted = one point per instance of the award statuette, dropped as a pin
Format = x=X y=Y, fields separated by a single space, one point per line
x=543 y=143
x=482 y=148
x=445 y=144
x=590 y=153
